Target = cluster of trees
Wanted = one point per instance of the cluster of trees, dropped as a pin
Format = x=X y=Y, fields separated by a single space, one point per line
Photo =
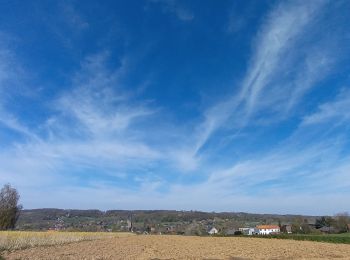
x=339 y=222
x=301 y=226
x=9 y=207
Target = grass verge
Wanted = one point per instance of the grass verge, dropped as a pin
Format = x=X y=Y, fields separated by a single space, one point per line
x=328 y=238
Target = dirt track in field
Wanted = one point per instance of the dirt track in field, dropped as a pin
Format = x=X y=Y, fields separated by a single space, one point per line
x=181 y=247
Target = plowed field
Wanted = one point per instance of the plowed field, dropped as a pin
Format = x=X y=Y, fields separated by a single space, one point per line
x=182 y=247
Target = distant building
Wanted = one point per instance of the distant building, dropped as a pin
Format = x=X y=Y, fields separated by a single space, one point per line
x=286 y=229
x=268 y=229
x=59 y=225
x=213 y=231
x=312 y=223
x=170 y=229
x=230 y=232
x=248 y=231
x=328 y=230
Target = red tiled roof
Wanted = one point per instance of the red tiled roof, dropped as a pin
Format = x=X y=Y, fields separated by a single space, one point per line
x=267 y=227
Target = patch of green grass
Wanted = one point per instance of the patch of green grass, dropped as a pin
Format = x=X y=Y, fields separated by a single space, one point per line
x=331 y=238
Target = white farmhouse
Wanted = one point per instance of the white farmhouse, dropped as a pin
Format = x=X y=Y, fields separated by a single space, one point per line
x=213 y=231
x=268 y=229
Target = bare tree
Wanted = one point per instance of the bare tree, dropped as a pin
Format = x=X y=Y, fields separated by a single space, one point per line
x=341 y=221
x=9 y=207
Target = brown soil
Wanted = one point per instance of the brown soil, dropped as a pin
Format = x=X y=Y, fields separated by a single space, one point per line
x=181 y=247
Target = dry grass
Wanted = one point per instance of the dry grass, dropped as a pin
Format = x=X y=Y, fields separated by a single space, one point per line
x=14 y=240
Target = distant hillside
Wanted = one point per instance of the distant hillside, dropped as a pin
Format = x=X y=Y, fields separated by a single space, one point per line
x=157 y=220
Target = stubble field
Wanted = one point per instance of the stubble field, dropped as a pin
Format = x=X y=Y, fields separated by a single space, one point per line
x=183 y=247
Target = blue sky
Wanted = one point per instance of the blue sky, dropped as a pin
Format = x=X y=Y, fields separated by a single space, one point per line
x=203 y=105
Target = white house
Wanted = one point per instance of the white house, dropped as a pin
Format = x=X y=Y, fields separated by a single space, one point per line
x=213 y=231
x=248 y=231
x=268 y=229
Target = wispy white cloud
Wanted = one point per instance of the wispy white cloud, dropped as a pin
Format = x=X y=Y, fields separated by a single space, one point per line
x=11 y=122
x=318 y=63
x=285 y=25
x=337 y=109
x=10 y=76
x=103 y=115
x=302 y=174
x=90 y=126
x=264 y=87
x=99 y=110
x=287 y=163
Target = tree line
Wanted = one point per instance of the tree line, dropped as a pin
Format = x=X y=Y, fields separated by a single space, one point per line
x=336 y=224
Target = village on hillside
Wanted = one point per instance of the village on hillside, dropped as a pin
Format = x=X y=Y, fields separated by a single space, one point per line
x=180 y=222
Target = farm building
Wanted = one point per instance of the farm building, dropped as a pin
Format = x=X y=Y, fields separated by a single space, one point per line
x=328 y=230
x=286 y=229
x=213 y=231
x=268 y=229
x=248 y=231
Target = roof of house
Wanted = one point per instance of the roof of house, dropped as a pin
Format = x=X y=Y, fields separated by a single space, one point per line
x=267 y=227
x=287 y=227
x=327 y=229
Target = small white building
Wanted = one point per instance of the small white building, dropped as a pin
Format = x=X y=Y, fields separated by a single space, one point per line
x=248 y=231
x=213 y=231
x=268 y=229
